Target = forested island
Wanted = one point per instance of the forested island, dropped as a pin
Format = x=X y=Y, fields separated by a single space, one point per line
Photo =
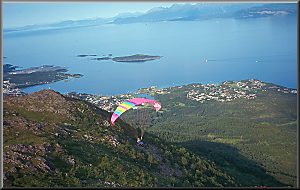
x=135 y=58
x=130 y=58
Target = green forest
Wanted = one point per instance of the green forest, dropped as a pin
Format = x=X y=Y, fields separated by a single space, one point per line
x=242 y=136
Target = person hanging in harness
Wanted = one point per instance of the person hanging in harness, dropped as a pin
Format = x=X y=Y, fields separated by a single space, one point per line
x=133 y=103
x=139 y=142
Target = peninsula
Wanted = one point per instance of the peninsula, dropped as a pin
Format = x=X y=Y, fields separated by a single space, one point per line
x=14 y=79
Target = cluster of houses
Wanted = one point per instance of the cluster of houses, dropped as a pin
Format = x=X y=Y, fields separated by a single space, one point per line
x=108 y=103
x=153 y=89
x=230 y=90
x=227 y=91
x=8 y=89
x=221 y=95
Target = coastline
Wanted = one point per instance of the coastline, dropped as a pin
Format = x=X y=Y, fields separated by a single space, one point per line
x=14 y=81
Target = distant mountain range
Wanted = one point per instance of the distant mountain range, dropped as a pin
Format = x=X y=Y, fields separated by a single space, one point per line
x=60 y=25
x=201 y=11
x=177 y=12
x=71 y=23
x=185 y=12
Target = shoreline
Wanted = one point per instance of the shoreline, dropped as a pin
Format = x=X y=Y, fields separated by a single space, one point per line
x=15 y=81
x=163 y=87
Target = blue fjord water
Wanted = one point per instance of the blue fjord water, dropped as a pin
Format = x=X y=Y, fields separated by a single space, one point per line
x=210 y=51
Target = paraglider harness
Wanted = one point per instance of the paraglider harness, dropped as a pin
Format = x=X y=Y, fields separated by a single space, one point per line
x=140 y=142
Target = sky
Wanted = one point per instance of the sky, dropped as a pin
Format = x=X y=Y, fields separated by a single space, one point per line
x=16 y=14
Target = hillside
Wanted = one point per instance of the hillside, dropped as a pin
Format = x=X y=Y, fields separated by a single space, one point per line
x=54 y=141
x=254 y=124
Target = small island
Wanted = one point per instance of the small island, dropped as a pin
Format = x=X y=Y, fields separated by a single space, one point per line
x=86 y=55
x=130 y=58
x=136 y=58
x=101 y=58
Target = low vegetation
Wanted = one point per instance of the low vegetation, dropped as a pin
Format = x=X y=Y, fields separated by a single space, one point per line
x=79 y=148
x=247 y=138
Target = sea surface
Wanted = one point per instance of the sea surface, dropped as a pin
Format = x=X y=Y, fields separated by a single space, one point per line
x=210 y=51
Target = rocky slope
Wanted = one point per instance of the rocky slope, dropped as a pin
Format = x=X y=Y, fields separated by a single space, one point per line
x=54 y=141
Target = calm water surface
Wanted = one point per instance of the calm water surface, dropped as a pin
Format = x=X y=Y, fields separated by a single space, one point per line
x=264 y=49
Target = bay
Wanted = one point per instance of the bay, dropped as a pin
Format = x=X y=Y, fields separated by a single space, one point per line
x=210 y=51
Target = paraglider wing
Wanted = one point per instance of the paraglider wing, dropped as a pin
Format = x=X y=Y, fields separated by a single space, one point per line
x=130 y=104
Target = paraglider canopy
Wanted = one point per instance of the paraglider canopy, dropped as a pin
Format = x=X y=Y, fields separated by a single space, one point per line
x=128 y=104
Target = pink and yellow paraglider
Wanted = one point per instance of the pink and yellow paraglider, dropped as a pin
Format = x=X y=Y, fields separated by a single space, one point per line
x=130 y=104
